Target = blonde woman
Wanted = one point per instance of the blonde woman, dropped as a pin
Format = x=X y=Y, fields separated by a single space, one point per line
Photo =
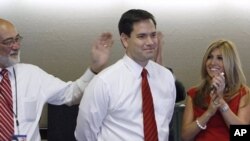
x=220 y=100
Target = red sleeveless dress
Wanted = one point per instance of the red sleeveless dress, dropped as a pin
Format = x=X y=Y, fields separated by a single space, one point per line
x=216 y=126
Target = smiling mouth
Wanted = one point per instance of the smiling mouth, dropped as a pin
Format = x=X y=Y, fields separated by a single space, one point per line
x=149 y=49
x=215 y=69
x=14 y=54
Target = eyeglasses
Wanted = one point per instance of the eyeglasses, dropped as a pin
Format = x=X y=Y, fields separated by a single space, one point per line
x=11 y=41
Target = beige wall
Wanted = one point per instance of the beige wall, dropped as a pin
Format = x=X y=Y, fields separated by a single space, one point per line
x=58 y=33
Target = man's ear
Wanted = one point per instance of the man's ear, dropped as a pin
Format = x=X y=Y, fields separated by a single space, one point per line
x=124 y=40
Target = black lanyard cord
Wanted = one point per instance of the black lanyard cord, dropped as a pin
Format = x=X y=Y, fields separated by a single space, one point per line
x=16 y=114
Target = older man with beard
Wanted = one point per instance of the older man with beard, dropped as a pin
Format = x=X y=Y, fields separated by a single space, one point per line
x=25 y=88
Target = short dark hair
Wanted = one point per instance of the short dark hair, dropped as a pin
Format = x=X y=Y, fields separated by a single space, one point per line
x=132 y=16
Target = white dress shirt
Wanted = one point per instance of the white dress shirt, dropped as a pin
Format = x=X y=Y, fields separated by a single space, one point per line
x=111 y=108
x=34 y=88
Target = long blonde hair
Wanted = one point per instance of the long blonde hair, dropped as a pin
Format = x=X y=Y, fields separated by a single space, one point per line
x=234 y=75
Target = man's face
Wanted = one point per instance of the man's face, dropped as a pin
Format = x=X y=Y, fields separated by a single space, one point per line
x=9 y=45
x=142 y=43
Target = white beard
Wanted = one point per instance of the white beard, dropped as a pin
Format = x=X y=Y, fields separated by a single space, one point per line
x=8 y=61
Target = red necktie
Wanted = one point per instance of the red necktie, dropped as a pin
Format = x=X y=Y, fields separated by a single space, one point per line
x=6 y=105
x=150 y=127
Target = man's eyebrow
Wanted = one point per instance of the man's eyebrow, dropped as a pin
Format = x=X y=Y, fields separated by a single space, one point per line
x=145 y=33
x=11 y=38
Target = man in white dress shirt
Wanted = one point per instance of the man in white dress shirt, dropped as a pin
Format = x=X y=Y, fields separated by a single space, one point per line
x=32 y=87
x=111 y=108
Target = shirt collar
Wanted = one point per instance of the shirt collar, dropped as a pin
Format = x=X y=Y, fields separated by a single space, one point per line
x=135 y=68
x=10 y=70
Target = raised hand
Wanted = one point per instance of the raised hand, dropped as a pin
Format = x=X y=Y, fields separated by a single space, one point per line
x=100 y=52
x=158 y=53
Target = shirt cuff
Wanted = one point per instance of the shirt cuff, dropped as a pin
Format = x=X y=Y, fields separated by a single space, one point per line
x=85 y=79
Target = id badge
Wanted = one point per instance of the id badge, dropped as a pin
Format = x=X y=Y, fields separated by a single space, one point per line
x=19 y=138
